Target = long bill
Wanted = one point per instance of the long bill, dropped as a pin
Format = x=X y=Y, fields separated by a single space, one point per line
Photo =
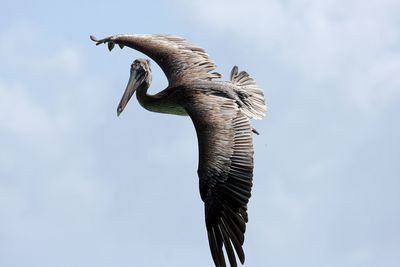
x=135 y=80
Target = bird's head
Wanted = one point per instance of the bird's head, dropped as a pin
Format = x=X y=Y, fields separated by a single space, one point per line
x=140 y=77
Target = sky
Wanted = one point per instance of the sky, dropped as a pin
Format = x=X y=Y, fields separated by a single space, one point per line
x=80 y=186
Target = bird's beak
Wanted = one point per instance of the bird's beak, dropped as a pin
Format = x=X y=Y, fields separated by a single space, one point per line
x=136 y=78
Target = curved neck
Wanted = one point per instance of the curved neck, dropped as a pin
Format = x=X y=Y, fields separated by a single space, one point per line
x=160 y=103
x=149 y=102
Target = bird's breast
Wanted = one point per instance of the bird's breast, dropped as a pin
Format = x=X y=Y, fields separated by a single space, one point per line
x=174 y=109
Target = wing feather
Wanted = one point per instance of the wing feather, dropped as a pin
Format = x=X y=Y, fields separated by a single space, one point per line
x=180 y=60
x=225 y=171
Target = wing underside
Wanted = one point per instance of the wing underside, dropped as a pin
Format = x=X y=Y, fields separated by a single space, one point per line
x=225 y=171
x=179 y=59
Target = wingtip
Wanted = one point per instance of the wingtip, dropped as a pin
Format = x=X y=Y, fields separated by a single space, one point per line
x=94 y=39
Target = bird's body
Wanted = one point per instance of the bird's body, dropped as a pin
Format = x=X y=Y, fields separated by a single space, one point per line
x=172 y=99
x=221 y=113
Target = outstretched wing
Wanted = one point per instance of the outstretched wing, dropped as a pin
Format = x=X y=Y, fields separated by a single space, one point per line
x=225 y=171
x=178 y=59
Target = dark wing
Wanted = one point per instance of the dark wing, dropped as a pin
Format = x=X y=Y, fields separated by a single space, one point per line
x=225 y=171
x=178 y=59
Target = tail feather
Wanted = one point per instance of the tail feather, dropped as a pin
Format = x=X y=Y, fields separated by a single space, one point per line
x=251 y=96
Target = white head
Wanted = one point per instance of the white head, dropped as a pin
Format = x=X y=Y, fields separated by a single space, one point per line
x=140 y=77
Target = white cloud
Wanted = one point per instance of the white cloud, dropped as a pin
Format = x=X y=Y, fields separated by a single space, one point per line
x=361 y=255
x=19 y=115
x=47 y=107
x=377 y=83
x=68 y=59
x=349 y=47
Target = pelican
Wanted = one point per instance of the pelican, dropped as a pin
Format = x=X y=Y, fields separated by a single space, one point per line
x=221 y=113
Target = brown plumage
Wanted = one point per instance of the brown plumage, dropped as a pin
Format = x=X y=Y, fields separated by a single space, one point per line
x=221 y=113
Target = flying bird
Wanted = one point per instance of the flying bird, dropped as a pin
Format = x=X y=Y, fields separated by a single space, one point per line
x=221 y=113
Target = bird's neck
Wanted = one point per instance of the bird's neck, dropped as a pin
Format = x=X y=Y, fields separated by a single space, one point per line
x=160 y=103
x=147 y=101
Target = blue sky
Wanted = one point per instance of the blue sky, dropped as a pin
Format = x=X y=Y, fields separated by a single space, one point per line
x=80 y=186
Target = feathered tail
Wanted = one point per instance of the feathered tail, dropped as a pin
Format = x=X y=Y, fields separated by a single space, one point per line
x=251 y=96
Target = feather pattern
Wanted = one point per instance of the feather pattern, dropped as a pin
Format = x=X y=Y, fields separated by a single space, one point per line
x=225 y=171
x=180 y=60
x=250 y=95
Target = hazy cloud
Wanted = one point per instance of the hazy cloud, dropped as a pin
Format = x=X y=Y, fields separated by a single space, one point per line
x=351 y=48
x=81 y=187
